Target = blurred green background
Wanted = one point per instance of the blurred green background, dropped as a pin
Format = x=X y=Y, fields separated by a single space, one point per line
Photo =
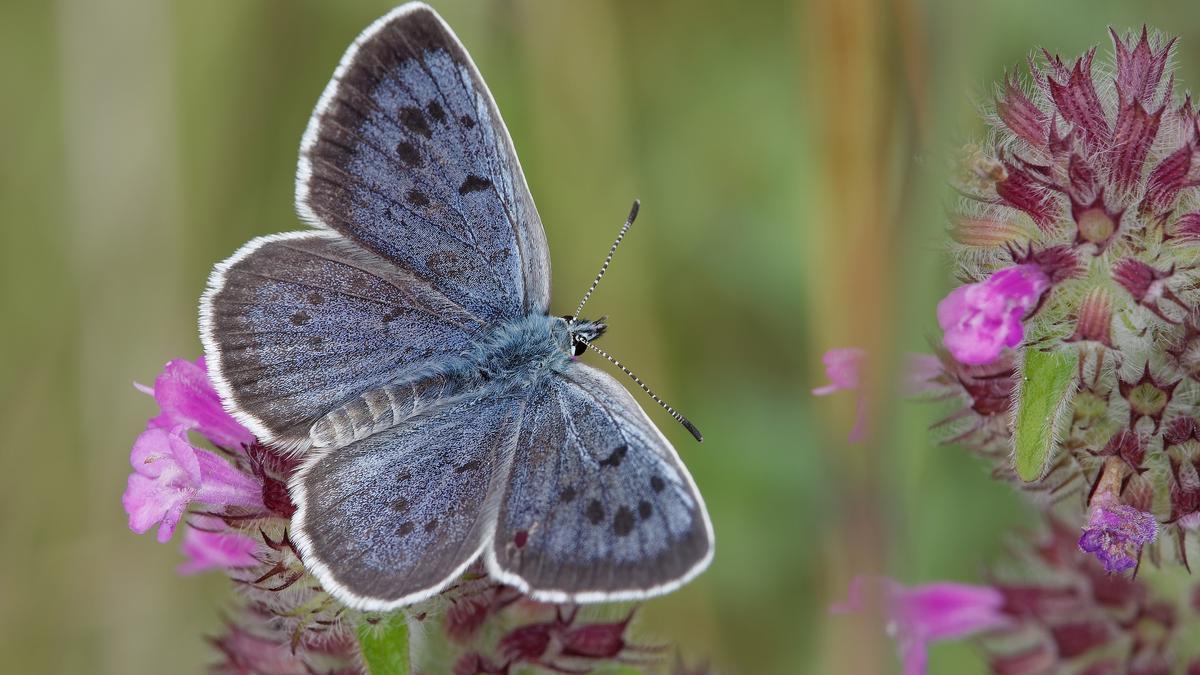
x=791 y=161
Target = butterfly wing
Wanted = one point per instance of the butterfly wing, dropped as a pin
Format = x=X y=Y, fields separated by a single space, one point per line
x=407 y=155
x=394 y=518
x=295 y=324
x=598 y=506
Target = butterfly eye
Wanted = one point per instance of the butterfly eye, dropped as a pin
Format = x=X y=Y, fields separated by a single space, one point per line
x=578 y=347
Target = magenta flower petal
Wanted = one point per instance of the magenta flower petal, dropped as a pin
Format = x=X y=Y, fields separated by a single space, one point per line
x=210 y=545
x=980 y=320
x=223 y=485
x=186 y=397
x=919 y=615
x=166 y=477
x=169 y=473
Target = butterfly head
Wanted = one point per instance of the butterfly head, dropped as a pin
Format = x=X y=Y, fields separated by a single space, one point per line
x=582 y=332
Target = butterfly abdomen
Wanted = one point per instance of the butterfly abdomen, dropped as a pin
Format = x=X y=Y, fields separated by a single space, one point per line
x=379 y=409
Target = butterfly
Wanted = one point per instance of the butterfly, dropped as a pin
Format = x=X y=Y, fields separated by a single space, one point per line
x=404 y=348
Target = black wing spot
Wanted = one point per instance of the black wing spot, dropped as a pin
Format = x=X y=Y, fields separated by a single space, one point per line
x=623 y=522
x=393 y=314
x=644 y=509
x=615 y=457
x=417 y=198
x=408 y=154
x=405 y=528
x=446 y=264
x=435 y=111
x=657 y=484
x=472 y=465
x=404 y=475
x=300 y=318
x=431 y=525
x=316 y=343
x=474 y=184
x=415 y=121
x=467 y=121
x=400 y=505
x=594 y=512
x=316 y=298
x=567 y=495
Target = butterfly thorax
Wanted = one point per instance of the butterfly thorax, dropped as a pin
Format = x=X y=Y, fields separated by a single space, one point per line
x=524 y=350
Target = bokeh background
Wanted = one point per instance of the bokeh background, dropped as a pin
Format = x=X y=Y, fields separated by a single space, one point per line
x=791 y=159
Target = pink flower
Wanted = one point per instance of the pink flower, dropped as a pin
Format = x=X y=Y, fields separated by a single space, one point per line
x=922 y=614
x=842 y=367
x=187 y=398
x=981 y=319
x=169 y=474
x=209 y=544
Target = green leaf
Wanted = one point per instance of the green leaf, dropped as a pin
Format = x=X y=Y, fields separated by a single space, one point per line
x=1044 y=395
x=385 y=645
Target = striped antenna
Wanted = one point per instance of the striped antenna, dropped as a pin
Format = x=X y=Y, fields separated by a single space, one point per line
x=604 y=268
x=671 y=411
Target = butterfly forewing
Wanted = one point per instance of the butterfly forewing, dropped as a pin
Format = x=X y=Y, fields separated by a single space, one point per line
x=393 y=518
x=295 y=324
x=406 y=154
x=598 y=505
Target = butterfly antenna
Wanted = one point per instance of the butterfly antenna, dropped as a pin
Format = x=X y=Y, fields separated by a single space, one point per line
x=608 y=260
x=671 y=411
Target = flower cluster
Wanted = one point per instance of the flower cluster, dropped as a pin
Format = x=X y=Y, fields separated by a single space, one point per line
x=1063 y=613
x=233 y=500
x=1078 y=235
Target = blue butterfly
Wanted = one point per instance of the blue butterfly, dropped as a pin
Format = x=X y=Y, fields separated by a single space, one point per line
x=406 y=348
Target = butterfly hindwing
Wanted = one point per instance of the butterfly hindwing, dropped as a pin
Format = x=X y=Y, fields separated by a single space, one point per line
x=598 y=506
x=407 y=155
x=296 y=324
x=393 y=518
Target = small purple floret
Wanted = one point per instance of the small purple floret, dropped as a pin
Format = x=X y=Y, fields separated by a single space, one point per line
x=169 y=473
x=980 y=320
x=1116 y=534
x=187 y=398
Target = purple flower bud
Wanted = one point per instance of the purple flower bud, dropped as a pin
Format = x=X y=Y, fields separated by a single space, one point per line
x=209 y=545
x=187 y=398
x=1116 y=533
x=1024 y=188
x=1074 y=93
x=922 y=614
x=1094 y=320
x=1139 y=67
x=1147 y=285
x=1080 y=637
x=1020 y=115
x=169 y=474
x=981 y=319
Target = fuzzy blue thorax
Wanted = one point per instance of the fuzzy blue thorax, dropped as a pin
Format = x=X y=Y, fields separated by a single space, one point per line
x=525 y=349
